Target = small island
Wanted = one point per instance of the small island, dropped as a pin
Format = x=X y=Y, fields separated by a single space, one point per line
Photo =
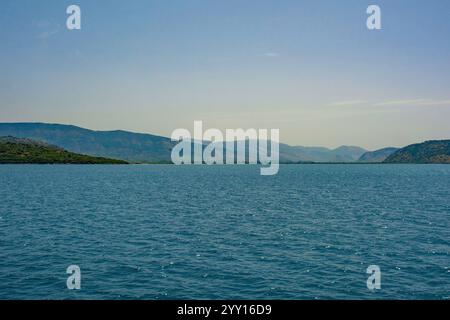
x=27 y=151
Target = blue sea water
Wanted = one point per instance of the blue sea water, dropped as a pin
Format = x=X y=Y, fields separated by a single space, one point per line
x=224 y=232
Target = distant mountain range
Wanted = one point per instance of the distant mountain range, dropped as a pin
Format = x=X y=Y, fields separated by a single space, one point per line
x=319 y=154
x=147 y=148
x=20 y=150
x=128 y=146
x=377 y=155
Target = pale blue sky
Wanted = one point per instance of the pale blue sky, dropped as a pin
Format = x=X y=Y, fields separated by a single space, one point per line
x=310 y=68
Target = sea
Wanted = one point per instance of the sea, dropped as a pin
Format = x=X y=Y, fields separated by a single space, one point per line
x=158 y=232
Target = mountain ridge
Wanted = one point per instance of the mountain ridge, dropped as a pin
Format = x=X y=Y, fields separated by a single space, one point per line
x=377 y=155
x=149 y=148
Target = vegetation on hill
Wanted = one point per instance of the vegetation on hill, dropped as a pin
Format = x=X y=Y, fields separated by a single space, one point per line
x=437 y=151
x=16 y=150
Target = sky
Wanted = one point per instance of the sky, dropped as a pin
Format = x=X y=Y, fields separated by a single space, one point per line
x=311 y=69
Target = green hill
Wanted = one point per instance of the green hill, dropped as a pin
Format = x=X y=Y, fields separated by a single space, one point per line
x=17 y=150
x=437 y=151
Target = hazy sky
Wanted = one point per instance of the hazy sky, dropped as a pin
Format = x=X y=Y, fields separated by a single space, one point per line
x=310 y=68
